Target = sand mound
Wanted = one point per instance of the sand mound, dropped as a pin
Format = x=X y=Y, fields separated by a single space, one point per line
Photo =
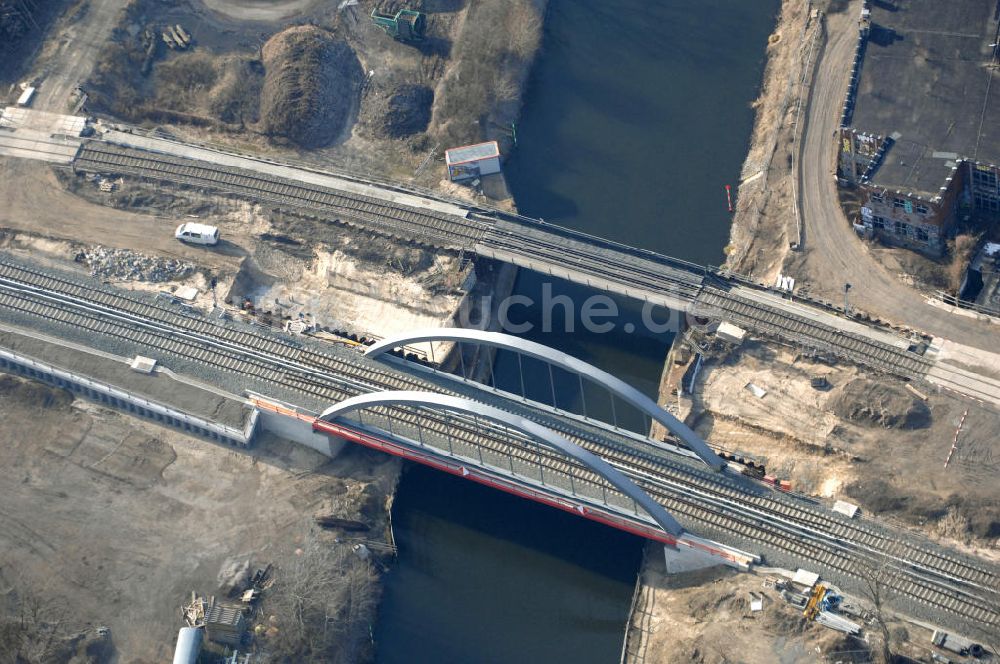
x=311 y=82
x=399 y=112
x=880 y=404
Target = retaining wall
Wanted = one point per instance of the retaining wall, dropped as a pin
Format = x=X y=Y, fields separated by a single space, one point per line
x=131 y=403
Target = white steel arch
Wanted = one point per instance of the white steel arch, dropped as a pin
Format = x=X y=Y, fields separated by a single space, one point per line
x=542 y=434
x=618 y=387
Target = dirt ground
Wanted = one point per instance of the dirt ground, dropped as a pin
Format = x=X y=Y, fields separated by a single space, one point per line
x=865 y=438
x=116 y=520
x=463 y=81
x=764 y=221
x=35 y=202
x=337 y=277
x=705 y=617
x=262 y=10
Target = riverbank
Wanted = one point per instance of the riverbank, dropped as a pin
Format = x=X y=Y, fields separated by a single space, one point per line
x=222 y=509
x=706 y=616
x=664 y=624
x=765 y=224
x=112 y=521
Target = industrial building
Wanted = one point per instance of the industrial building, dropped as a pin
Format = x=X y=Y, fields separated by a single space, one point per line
x=918 y=136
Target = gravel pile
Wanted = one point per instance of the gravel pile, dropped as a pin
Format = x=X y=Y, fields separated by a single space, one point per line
x=106 y=263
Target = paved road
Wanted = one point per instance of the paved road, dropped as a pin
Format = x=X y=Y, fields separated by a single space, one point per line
x=834 y=255
x=78 y=46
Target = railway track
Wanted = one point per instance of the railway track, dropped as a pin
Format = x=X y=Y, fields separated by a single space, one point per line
x=778 y=323
x=428 y=227
x=431 y=228
x=708 y=502
x=536 y=244
x=548 y=248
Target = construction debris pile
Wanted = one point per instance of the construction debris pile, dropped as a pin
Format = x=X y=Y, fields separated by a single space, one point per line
x=175 y=37
x=107 y=263
x=222 y=622
x=311 y=84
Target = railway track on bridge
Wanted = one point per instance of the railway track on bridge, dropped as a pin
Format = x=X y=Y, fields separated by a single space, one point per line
x=779 y=323
x=594 y=261
x=959 y=586
x=547 y=249
x=428 y=227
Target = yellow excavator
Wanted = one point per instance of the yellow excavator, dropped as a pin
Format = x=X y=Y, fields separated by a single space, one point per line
x=815 y=602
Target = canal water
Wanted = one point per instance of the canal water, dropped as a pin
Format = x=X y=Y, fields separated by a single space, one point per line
x=636 y=116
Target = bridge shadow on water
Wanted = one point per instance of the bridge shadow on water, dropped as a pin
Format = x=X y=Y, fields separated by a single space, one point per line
x=498 y=578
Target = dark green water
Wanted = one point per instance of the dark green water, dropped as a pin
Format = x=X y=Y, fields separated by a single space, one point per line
x=636 y=116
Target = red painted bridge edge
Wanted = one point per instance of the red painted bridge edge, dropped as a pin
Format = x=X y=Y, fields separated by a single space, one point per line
x=459 y=470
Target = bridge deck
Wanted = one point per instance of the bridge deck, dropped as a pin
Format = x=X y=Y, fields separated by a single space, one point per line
x=594 y=262
x=564 y=253
x=954 y=588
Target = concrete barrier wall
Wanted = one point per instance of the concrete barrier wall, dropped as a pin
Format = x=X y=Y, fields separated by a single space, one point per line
x=300 y=431
x=131 y=403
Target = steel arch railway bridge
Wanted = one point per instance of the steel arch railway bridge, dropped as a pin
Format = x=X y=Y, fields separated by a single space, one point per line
x=535 y=431
x=506 y=442
x=484 y=415
x=555 y=358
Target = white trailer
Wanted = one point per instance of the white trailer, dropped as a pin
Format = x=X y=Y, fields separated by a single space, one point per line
x=26 y=97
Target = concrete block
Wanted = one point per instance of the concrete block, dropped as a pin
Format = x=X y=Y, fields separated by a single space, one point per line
x=300 y=431
x=687 y=559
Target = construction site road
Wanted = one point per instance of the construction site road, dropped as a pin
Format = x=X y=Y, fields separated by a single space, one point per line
x=79 y=42
x=834 y=254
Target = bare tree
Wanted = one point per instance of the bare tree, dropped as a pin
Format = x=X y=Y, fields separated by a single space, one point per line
x=322 y=604
x=32 y=628
x=876 y=575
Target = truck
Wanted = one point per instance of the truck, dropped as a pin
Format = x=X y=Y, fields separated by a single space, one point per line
x=957 y=644
x=406 y=25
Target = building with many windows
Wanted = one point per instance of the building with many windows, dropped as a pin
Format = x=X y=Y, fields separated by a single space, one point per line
x=919 y=135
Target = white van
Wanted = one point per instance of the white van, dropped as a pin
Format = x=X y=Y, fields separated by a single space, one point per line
x=197 y=234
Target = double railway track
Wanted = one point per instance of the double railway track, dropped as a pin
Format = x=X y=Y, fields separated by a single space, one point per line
x=706 y=502
x=546 y=248
x=779 y=323
x=424 y=226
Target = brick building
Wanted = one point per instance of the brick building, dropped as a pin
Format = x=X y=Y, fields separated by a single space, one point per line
x=919 y=135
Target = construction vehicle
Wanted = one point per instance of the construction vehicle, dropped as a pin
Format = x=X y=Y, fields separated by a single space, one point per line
x=957 y=644
x=814 y=604
x=407 y=25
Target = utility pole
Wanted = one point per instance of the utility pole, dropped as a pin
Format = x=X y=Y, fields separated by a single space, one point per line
x=847 y=310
